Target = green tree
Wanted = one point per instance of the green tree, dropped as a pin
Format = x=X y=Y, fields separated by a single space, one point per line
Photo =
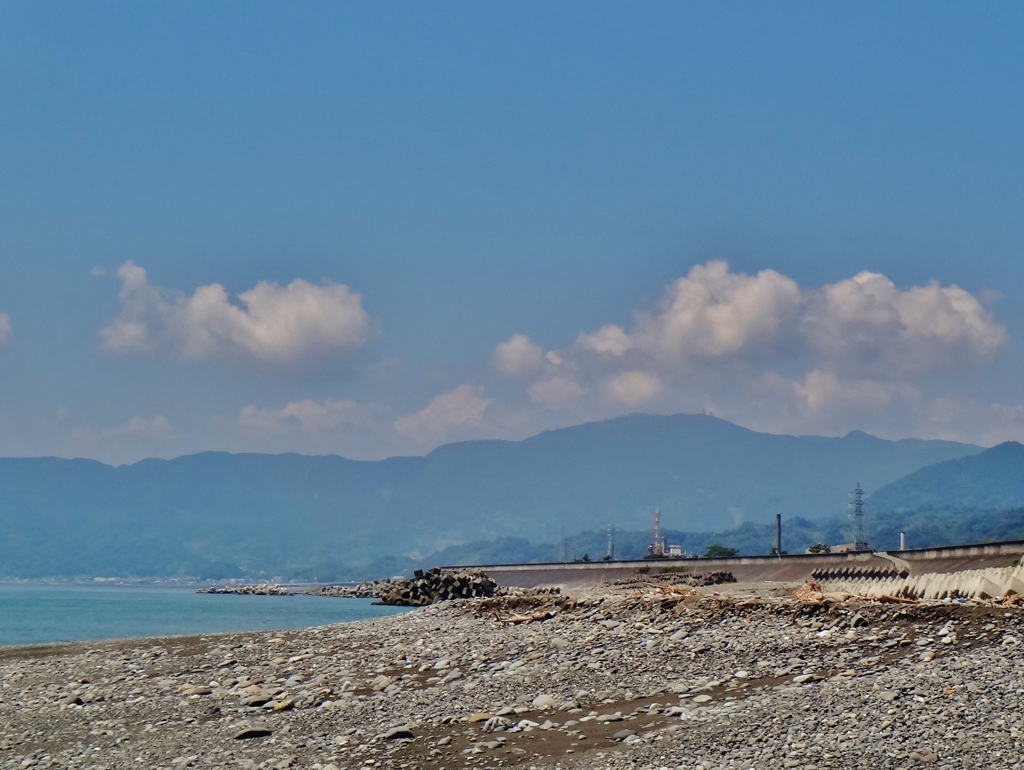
x=716 y=551
x=820 y=548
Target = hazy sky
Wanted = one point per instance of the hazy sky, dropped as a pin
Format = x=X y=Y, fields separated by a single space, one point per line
x=372 y=228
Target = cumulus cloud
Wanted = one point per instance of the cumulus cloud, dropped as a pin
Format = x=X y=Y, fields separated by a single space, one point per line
x=555 y=391
x=611 y=340
x=633 y=388
x=518 y=356
x=308 y=415
x=822 y=392
x=867 y=324
x=864 y=324
x=860 y=352
x=448 y=413
x=711 y=313
x=5 y=328
x=272 y=324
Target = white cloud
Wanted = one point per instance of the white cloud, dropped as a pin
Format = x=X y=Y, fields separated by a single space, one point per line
x=5 y=328
x=861 y=352
x=97 y=272
x=447 y=413
x=866 y=324
x=824 y=392
x=273 y=324
x=633 y=388
x=712 y=313
x=611 y=340
x=308 y=415
x=518 y=356
x=555 y=392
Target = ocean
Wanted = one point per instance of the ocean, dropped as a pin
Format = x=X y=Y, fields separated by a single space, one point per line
x=33 y=614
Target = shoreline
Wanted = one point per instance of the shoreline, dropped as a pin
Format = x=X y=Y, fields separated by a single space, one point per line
x=662 y=676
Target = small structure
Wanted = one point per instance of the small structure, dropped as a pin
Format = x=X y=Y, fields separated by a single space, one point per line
x=777 y=550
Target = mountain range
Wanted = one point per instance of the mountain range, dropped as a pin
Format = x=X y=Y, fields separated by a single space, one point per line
x=221 y=515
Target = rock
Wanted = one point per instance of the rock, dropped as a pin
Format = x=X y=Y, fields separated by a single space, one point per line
x=621 y=735
x=445 y=740
x=544 y=702
x=397 y=733
x=703 y=698
x=248 y=731
x=380 y=683
x=616 y=717
x=924 y=756
x=497 y=723
x=480 y=716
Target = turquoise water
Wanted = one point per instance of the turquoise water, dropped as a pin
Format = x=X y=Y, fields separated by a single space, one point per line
x=31 y=614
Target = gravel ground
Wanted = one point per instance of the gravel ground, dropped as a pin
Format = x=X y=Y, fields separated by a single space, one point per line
x=622 y=677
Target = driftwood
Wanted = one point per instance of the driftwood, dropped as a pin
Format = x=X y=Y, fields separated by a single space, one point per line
x=532 y=618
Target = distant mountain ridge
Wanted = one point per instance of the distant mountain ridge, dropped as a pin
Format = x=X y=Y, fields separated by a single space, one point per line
x=217 y=514
x=992 y=479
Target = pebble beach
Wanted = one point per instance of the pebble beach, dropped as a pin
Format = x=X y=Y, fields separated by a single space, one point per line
x=612 y=677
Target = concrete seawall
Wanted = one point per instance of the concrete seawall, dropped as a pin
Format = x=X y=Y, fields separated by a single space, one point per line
x=786 y=568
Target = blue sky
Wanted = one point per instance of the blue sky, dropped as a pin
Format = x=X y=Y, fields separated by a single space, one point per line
x=441 y=177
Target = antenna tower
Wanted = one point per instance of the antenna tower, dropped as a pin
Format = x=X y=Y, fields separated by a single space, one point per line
x=610 y=553
x=657 y=547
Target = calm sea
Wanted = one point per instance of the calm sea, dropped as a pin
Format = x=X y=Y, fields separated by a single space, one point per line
x=31 y=614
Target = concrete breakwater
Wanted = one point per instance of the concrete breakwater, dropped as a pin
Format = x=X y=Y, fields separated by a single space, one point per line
x=262 y=589
x=434 y=585
x=991 y=583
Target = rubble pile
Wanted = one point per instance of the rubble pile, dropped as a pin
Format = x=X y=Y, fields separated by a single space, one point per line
x=691 y=579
